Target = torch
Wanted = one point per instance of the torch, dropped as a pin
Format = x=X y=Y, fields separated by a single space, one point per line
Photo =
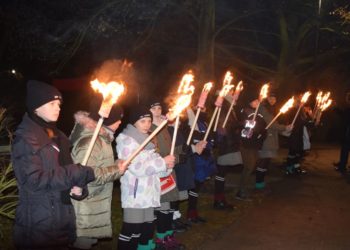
x=323 y=107
x=218 y=103
x=283 y=110
x=110 y=92
x=235 y=96
x=317 y=103
x=227 y=81
x=200 y=106
x=181 y=103
x=302 y=102
x=263 y=94
x=185 y=91
x=322 y=101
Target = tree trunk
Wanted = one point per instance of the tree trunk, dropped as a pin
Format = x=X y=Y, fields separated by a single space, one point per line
x=205 y=60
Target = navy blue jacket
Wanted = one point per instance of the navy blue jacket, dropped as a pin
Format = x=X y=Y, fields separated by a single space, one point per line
x=42 y=219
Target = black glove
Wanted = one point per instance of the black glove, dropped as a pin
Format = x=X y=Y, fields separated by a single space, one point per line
x=186 y=149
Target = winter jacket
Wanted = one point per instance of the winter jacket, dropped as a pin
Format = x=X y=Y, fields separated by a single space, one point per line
x=271 y=144
x=42 y=219
x=296 y=138
x=258 y=132
x=140 y=184
x=93 y=214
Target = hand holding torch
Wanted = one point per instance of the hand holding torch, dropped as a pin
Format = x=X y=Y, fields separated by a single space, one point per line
x=302 y=102
x=283 y=110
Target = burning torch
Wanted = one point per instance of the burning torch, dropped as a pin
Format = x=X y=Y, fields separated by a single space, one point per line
x=235 y=96
x=185 y=92
x=200 y=106
x=110 y=92
x=302 y=102
x=283 y=110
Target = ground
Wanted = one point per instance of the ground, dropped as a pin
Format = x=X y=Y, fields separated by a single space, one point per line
x=306 y=212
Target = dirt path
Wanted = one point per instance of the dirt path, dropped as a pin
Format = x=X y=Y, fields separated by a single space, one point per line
x=308 y=212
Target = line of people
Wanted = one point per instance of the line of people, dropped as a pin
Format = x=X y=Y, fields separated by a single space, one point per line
x=63 y=204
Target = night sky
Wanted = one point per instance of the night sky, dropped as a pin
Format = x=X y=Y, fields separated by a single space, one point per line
x=291 y=43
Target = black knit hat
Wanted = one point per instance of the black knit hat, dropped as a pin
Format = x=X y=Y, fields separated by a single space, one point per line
x=139 y=112
x=115 y=115
x=40 y=93
x=154 y=103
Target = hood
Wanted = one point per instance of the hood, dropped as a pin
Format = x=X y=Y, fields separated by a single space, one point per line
x=85 y=126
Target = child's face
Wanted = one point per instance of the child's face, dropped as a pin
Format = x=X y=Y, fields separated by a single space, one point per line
x=50 y=111
x=254 y=104
x=272 y=100
x=143 y=125
x=156 y=111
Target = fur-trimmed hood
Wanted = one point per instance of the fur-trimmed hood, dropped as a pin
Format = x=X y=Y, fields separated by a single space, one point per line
x=85 y=126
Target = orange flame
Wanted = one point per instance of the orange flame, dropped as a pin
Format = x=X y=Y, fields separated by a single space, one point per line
x=239 y=87
x=263 y=92
x=323 y=100
x=287 y=105
x=110 y=91
x=319 y=97
x=225 y=90
x=207 y=87
x=305 y=97
x=228 y=78
x=326 y=105
x=185 y=92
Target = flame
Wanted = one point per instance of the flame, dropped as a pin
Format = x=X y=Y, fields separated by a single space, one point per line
x=228 y=78
x=326 y=104
x=185 y=92
x=225 y=90
x=319 y=97
x=305 y=97
x=207 y=87
x=287 y=105
x=185 y=84
x=239 y=87
x=323 y=100
x=110 y=91
x=263 y=91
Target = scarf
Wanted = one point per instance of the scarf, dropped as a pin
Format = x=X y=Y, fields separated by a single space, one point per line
x=131 y=131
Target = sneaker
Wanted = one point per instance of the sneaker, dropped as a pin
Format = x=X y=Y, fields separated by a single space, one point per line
x=196 y=220
x=223 y=205
x=242 y=197
x=178 y=226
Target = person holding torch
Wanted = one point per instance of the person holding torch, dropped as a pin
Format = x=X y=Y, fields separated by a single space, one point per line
x=140 y=184
x=253 y=135
x=301 y=118
x=271 y=144
x=45 y=174
x=93 y=214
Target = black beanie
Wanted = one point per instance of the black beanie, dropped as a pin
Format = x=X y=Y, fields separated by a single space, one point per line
x=139 y=112
x=40 y=93
x=154 y=103
x=115 y=115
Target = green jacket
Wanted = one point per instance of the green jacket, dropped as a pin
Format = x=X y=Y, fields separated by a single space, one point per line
x=93 y=214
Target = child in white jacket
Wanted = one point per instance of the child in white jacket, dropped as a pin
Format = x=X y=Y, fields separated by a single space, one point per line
x=140 y=185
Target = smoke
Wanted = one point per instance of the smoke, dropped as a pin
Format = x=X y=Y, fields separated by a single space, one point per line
x=121 y=71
